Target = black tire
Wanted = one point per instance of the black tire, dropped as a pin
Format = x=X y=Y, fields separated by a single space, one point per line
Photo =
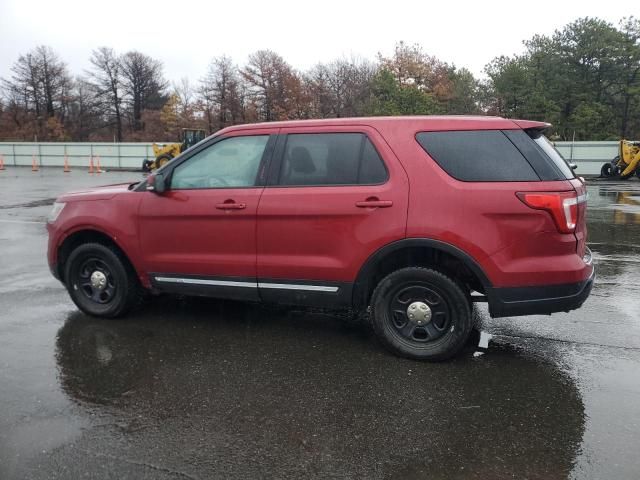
x=440 y=337
x=162 y=160
x=607 y=170
x=121 y=290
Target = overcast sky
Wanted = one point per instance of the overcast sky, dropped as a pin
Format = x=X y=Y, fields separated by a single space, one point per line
x=186 y=35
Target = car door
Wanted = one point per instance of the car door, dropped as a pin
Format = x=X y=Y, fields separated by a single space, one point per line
x=199 y=236
x=334 y=196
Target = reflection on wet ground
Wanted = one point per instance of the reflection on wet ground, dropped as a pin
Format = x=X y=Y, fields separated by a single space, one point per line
x=195 y=388
x=614 y=214
x=250 y=393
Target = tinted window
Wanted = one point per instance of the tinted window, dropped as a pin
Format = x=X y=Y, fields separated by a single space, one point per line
x=232 y=162
x=477 y=156
x=331 y=159
x=551 y=152
x=371 y=169
x=536 y=157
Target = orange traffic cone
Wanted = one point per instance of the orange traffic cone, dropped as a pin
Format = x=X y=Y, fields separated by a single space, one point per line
x=98 y=170
x=66 y=164
x=34 y=165
x=1 y=162
x=91 y=165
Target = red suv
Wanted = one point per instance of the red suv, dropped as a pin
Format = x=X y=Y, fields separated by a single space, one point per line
x=410 y=218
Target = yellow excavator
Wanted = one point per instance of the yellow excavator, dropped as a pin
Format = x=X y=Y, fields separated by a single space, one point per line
x=625 y=164
x=165 y=152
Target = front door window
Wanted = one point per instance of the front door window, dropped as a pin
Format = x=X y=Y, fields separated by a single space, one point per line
x=229 y=163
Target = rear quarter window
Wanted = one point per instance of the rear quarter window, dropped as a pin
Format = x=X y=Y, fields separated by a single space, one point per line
x=554 y=155
x=477 y=156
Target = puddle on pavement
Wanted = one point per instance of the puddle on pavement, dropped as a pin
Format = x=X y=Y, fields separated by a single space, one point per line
x=613 y=223
x=278 y=382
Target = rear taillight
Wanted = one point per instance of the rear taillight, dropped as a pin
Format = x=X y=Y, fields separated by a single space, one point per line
x=563 y=207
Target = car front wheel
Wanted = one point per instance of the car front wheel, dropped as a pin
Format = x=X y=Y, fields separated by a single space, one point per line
x=421 y=313
x=99 y=281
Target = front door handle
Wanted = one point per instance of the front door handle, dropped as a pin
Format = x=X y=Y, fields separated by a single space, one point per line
x=374 y=203
x=231 y=205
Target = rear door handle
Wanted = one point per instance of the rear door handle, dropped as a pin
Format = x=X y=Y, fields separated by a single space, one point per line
x=231 y=206
x=374 y=203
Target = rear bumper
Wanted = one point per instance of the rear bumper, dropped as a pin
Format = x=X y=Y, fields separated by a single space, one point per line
x=539 y=300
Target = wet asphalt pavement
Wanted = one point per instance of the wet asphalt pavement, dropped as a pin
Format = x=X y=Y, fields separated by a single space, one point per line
x=196 y=388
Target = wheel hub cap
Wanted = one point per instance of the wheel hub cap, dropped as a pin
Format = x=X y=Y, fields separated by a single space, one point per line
x=98 y=280
x=419 y=312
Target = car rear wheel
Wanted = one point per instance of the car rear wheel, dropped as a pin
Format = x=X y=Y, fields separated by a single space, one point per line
x=422 y=314
x=100 y=282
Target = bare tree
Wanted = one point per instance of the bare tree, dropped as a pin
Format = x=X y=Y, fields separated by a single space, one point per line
x=221 y=93
x=340 y=88
x=106 y=80
x=84 y=111
x=143 y=85
x=186 y=97
x=40 y=85
x=55 y=80
x=17 y=122
x=275 y=86
x=317 y=81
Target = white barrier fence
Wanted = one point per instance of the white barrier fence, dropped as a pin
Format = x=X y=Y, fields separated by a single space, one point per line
x=52 y=154
x=589 y=156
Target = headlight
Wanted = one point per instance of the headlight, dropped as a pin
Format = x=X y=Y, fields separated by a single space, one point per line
x=55 y=212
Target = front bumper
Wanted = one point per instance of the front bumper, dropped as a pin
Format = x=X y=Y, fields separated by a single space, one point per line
x=52 y=250
x=539 y=300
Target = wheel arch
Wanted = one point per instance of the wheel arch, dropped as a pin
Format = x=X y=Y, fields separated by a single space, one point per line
x=441 y=256
x=82 y=236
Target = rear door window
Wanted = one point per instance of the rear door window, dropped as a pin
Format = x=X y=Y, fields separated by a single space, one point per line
x=477 y=156
x=331 y=159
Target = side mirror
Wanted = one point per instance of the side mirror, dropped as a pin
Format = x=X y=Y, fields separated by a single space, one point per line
x=573 y=166
x=156 y=183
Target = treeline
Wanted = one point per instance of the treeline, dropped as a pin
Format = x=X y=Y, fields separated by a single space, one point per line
x=585 y=79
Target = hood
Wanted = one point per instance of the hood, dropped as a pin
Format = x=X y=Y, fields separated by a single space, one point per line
x=96 y=193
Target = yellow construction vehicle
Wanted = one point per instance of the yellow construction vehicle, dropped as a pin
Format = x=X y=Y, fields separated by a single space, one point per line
x=165 y=152
x=626 y=163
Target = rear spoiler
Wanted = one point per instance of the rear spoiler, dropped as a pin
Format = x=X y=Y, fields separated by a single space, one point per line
x=531 y=125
